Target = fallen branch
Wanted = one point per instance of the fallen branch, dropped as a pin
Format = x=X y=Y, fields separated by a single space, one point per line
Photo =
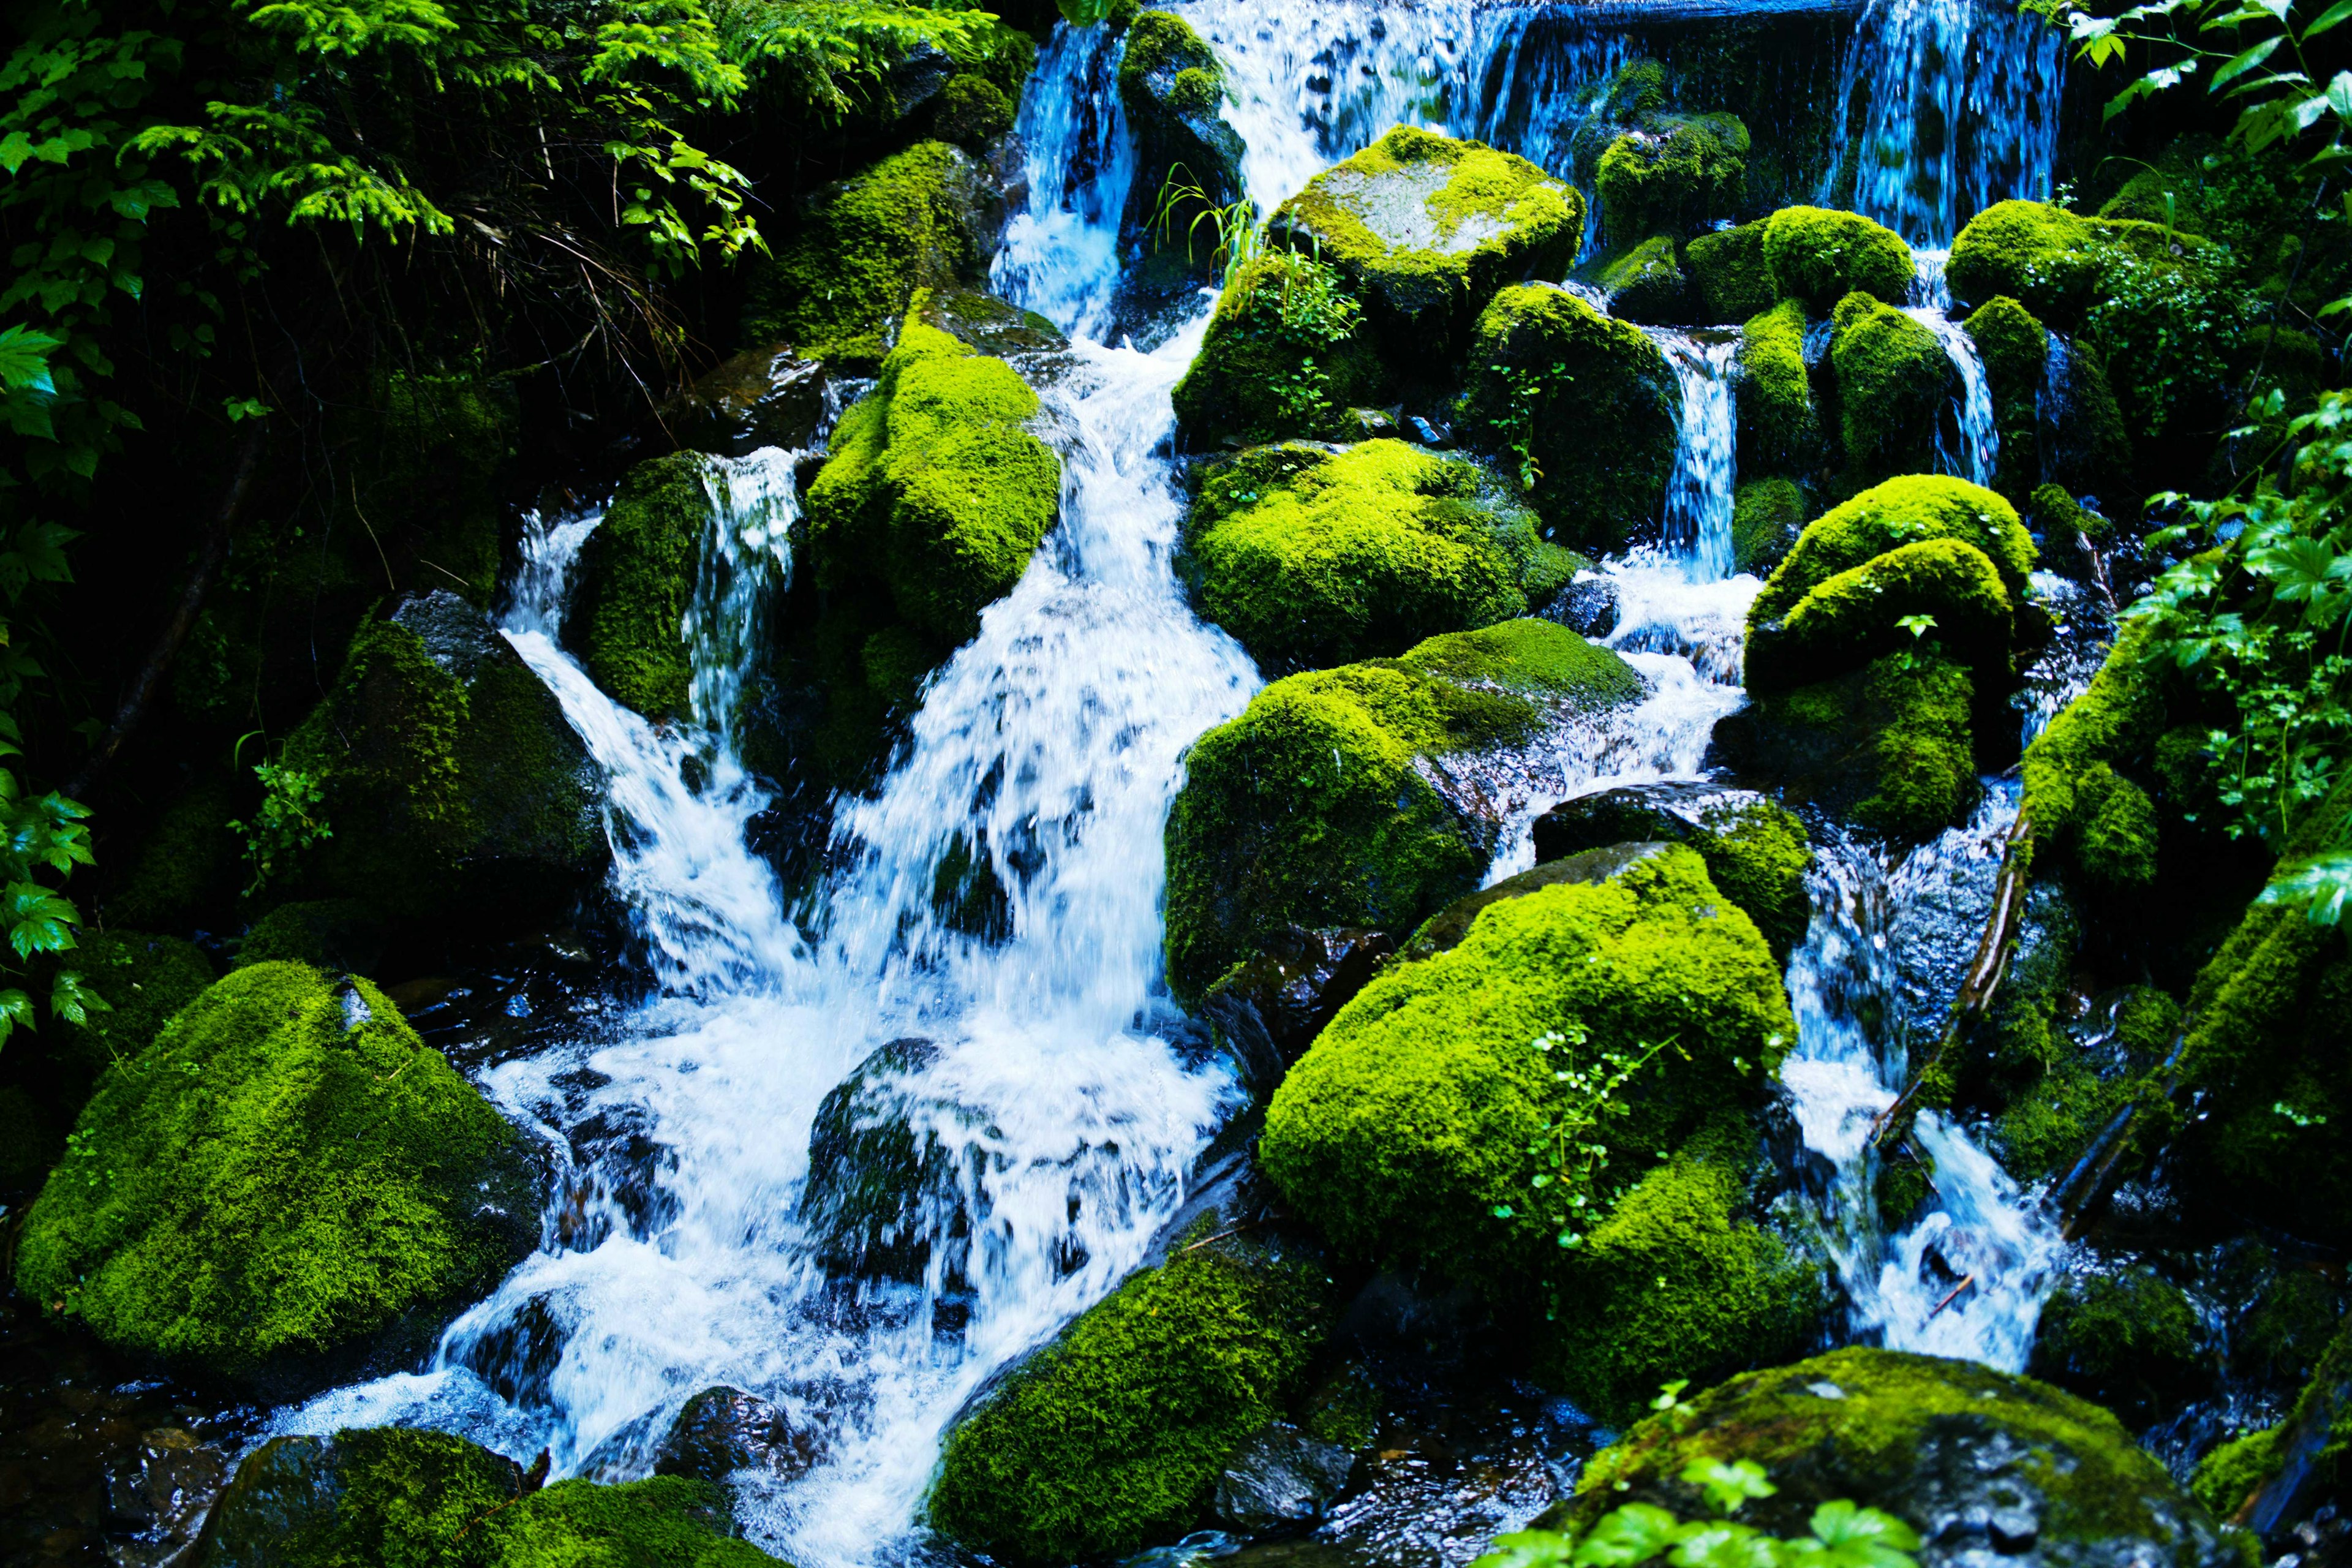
x=1950 y=1297
x=2082 y=1184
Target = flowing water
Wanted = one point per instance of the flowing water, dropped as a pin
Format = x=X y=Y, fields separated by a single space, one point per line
x=1706 y=451
x=1969 y=444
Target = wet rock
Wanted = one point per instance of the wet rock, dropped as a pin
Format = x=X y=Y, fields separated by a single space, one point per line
x=1586 y=606
x=984 y=322
x=1280 y=1476
x=767 y=396
x=883 y=1187
x=723 y=1430
x=1268 y=1010
x=161 y=1491
x=1755 y=851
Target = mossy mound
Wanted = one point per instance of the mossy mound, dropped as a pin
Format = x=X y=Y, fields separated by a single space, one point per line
x=1819 y=256
x=1923 y=1440
x=1729 y=279
x=1646 y=283
x=2071 y=782
x=935 y=490
x=1893 y=382
x=973 y=111
x=1673 y=174
x=1316 y=806
x=1172 y=85
x=2036 y=254
x=1768 y=517
x=879 y=1178
x=288 y=1169
x=1590 y=400
x=1312 y=558
x=2015 y=349
x=1287 y=353
x=1755 y=850
x=858 y=250
x=1405 y=1132
x=143 y=979
x=1911 y=510
x=636 y=577
x=1857 y=616
x=2129 y=1340
x=1113 y=1436
x=1780 y=428
x=389 y=1495
x=1424 y=229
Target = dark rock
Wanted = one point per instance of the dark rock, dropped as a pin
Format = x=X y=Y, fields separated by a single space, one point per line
x=457 y=636
x=880 y=1195
x=1755 y=851
x=1268 y=1011
x=161 y=1491
x=1586 y=606
x=987 y=323
x=1280 y=1476
x=761 y=397
x=722 y=1430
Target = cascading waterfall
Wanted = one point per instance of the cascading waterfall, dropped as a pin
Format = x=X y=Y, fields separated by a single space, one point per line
x=1971 y=448
x=1707 y=449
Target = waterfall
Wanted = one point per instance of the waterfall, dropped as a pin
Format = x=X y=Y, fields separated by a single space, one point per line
x=1958 y=104
x=1970 y=447
x=1699 y=491
x=1875 y=976
x=1060 y=252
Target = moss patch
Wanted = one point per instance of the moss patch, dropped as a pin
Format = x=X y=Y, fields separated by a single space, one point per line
x=1907 y=511
x=2015 y=349
x=1854 y=618
x=637 y=574
x=1729 y=279
x=1889 y=745
x=1646 y=283
x=1819 y=256
x=1780 y=429
x=1767 y=516
x=2034 y=253
x=1893 y=382
x=1673 y=175
x=1287 y=353
x=143 y=979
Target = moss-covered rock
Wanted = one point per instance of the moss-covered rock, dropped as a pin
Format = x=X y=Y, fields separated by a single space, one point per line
x=1856 y=617
x=1113 y=1436
x=2129 y=1340
x=1819 y=256
x=2070 y=777
x=2036 y=254
x=389 y=1495
x=857 y=250
x=972 y=112
x=2015 y=349
x=1755 y=850
x=636 y=577
x=935 y=490
x=1406 y=1132
x=1318 y=806
x=1423 y=229
x=1312 y=558
x=882 y=1189
x=1646 y=283
x=287 y=1169
x=1287 y=353
x=1767 y=516
x=1673 y=174
x=1954 y=1449
x=1906 y=510
x=1889 y=746
x=1894 y=383
x=1590 y=400
x=338 y=936
x=1780 y=429
x=1172 y=85
x=1729 y=279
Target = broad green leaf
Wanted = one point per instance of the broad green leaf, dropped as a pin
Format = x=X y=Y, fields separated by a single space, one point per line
x=1633 y=1533
x=2334 y=15
x=24 y=360
x=2243 y=63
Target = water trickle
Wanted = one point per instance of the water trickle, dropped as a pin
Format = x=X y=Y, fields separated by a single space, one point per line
x=1699 y=490
x=1968 y=445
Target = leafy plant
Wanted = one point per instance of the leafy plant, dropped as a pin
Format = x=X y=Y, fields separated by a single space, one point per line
x=289 y=822
x=1569 y=1159
x=1525 y=390
x=1239 y=240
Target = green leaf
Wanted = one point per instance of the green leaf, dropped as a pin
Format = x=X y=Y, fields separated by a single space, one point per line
x=24 y=360
x=1633 y=1533
x=2333 y=16
x=1528 y=1549
x=2243 y=63
x=1728 y=1485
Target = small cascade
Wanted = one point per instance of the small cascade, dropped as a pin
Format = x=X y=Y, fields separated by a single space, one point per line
x=1870 y=988
x=1060 y=252
x=1958 y=102
x=1970 y=447
x=1699 y=491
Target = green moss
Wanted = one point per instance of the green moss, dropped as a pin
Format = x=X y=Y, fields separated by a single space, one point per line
x=1405 y=1129
x=1778 y=427
x=1673 y=175
x=2116 y=829
x=1593 y=402
x=535 y=796
x=1112 y=1437
x=860 y=250
x=1424 y=229
x=1767 y=518
x=285 y=1169
x=1646 y=283
x=2232 y=1473
x=1312 y=807
x=1853 y=618
x=2126 y=1339
x=1728 y=273
x=1269 y=367
x=1907 y=511
x=1819 y=256
x=935 y=490
x=2034 y=253
x=1364 y=554
x=1894 y=383
x=2110 y=722
x=2015 y=349
x=1872 y=1439
x=1172 y=85
x=972 y=112
x=636 y=577
x=2069 y=525
x=143 y=979
x=1888 y=745
x=334 y=934
x=1676 y=1284
x=1755 y=850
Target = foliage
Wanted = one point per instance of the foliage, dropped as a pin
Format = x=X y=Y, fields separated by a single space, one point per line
x=1566 y=1180
x=1286 y=351
x=291 y=818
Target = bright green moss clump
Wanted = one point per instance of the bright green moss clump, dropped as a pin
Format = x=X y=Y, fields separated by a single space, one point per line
x=1854 y=618
x=1819 y=256
x=1646 y=283
x=1890 y=744
x=1405 y=1132
x=1309 y=809
x=636 y=574
x=1778 y=427
x=935 y=488
x=1312 y=560
x=1911 y=510
x=1767 y=516
x=1729 y=274
x=1893 y=382
x=1592 y=400
x=1673 y=175
x=1172 y=85
x=1287 y=353
x=2081 y=809
x=2015 y=349
x=2036 y=254
x=1755 y=850
x=287 y=1169
x=1112 y=1437
x=1424 y=229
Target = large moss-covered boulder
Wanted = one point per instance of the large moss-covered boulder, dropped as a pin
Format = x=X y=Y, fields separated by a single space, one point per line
x=286 y=1171
x=392 y=1495
x=2129 y=1340
x=1646 y=283
x=1590 y=402
x=1895 y=382
x=1408 y=1123
x=883 y=1191
x=1113 y=1436
x=2032 y=252
x=1860 y=616
x=1912 y=510
x=2015 y=349
x=636 y=577
x=1818 y=256
x=857 y=250
x=1755 y=850
x=935 y=490
x=1768 y=517
x=1319 y=806
x=1673 y=174
x=2090 y=774
x=1312 y=558
x=1172 y=85
x=1977 y=1462
x=1424 y=229
x=1729 y=279
x=1288 y=352
x=1779 y=425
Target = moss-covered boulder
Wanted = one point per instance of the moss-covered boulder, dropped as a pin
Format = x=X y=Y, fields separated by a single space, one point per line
x=1779 y=425
x=2088 y=811
x=1894 y=383
x=1113 y=1436
x=1589 y=401
x=1646 y=283
x=1729 y=279
x=1673 y=174
x=1312 y=558
x=882 y=1190
x=1818 y=256
x=2015 y=349
x=1408 y=1123
x=2034 y=253
x=1859 y=616
x=1755 y=850
x=1768 y=517
x=1174 y=86
x=2129 y=1340
x=1287 y=353
x=286 y=1171
x=857 y=251
x=1977 y=1460
x=1912 y=510
x=394 y=1495
x=636 y=578
x=1321 y=804
x=936 y=490
x=1423 y=229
